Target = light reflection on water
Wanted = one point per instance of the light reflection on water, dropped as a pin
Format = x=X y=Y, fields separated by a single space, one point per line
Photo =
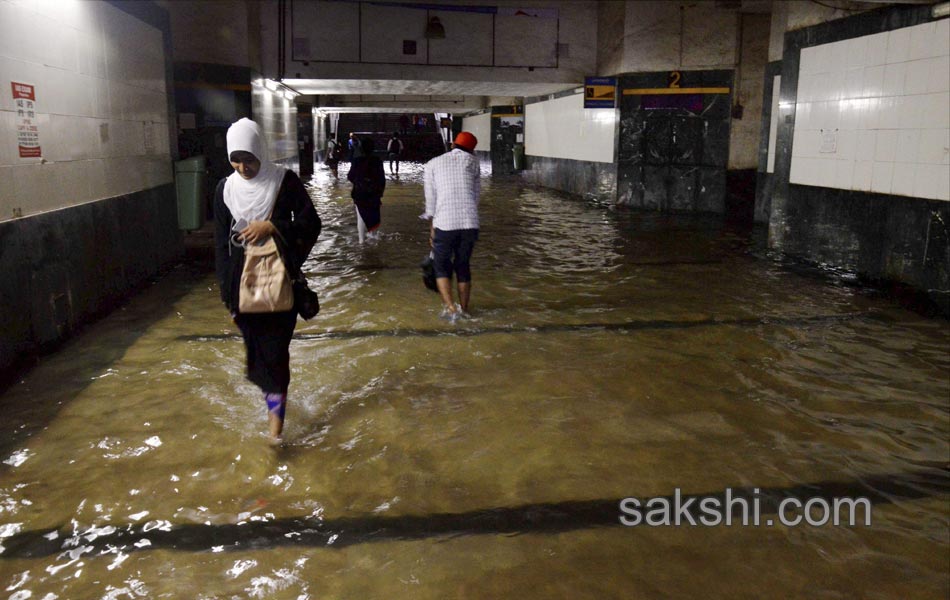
x=611 y=354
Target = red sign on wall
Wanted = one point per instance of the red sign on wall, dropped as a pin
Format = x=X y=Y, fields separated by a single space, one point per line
x=27 y=132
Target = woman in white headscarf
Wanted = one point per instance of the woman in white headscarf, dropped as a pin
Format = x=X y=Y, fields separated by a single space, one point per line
x=255 y=202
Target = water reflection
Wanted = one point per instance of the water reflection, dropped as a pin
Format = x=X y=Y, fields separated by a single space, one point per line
x=611 y=354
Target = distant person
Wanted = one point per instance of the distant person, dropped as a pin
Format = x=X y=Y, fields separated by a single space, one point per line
x=353 y=146
x=452 y=188
x=369 y=183
x=394 y=148
x=258 y=201
x=403 y=124
x=334 y=153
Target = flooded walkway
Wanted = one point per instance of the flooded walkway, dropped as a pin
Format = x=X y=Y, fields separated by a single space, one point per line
x=611 y=355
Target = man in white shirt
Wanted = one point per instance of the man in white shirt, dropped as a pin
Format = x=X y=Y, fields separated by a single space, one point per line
x=452 y=188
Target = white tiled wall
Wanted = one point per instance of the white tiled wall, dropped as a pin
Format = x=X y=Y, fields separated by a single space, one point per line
x=884 y=100
x=480 y=127
x=563 y=128
x=99 y=77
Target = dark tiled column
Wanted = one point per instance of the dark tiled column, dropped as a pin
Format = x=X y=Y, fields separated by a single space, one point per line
x=674 y=147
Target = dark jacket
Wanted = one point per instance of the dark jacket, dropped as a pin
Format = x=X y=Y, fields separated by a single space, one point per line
x=294 y=217
x=368 y=177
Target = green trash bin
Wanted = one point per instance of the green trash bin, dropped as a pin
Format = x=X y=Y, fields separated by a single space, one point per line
x=518 y=152
x=190 y=188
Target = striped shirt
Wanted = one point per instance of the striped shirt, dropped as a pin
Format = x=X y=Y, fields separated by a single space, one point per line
x=452 y=188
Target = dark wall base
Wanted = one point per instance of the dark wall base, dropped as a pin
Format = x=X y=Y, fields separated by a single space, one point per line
x=61 y=269
x=672 y=189
x=881 y=237
x=592 y=180
x=740 y=196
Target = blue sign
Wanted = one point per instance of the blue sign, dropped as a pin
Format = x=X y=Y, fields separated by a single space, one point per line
x=600 y=92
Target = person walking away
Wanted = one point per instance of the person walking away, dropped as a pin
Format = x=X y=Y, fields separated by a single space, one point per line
x=452 y=188
x=353 y=147
x=369 y=183
x=334 y=152
x=394 y=148
x=258 y=201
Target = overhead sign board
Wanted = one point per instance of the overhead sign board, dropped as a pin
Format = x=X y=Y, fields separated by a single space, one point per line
x=600 y=92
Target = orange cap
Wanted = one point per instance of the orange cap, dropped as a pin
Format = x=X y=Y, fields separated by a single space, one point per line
x=466 y=140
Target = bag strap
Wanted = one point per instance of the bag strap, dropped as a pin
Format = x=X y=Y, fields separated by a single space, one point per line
x=295 y=273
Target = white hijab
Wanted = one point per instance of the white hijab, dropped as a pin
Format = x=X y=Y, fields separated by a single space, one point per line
x=251 y=199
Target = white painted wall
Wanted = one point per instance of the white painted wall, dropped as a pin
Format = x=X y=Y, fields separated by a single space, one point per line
x=99 y=76
x=277 y=116
x=884 y=100
x=563 y=128
x=480 y=127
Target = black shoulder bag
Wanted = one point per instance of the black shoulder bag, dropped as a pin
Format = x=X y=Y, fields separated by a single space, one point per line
x=305 y=300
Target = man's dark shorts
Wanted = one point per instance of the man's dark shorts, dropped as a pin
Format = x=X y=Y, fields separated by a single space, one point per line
x=452 y=251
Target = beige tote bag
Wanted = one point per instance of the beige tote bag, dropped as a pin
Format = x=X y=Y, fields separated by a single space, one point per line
x=265 y=283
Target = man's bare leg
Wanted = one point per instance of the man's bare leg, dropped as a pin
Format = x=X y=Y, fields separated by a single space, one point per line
x=445 y=291
x=465 y=293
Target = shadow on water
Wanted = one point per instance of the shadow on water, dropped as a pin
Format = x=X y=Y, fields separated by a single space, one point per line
x=555 y=328
x=75 y=370
x=501 y=267
x=542 y=518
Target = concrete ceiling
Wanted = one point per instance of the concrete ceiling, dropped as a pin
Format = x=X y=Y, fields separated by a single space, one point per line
x=387 y=91
x=391 y=87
